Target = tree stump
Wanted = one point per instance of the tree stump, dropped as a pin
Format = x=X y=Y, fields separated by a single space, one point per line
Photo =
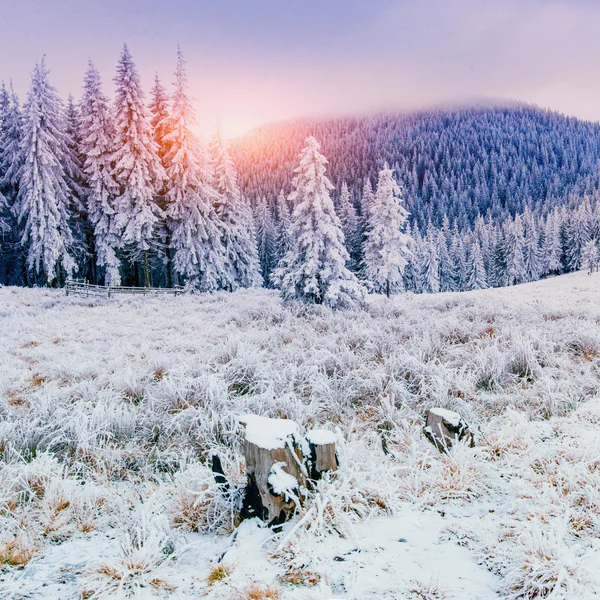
x=275 y=469
x=444 y=428
x=323 y=456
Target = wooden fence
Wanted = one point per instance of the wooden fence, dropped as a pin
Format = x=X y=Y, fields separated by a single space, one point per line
x=88 y=290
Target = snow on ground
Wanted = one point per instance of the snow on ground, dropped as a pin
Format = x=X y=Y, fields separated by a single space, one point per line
x=110 y=409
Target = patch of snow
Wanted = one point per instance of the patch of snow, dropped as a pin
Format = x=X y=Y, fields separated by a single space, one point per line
x=268 y=433
x=321 y=437
x=281 y=481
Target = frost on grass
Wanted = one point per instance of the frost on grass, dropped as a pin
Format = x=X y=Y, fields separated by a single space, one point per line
x=111 y=411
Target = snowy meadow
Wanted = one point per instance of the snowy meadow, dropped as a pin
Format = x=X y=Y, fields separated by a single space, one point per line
x=110 y=409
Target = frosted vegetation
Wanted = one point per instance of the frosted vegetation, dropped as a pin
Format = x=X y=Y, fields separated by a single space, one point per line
x=109 y=411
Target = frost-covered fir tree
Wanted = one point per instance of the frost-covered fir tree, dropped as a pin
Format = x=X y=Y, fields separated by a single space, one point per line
x=476 y=276
x=314 y=270
x=552 y=249
x=531 y=248
x=446 y=266
x=429 y=264
x=43 y=199
x=350 y=226
x=266 y=238
x=11 y=159
x=97 y=148
x=284 y=223
x=458 y=258
x=577 y=235
x=513 y=247
x=199 y=255
x=590 y=257
x=159 y=114
x=137 y=167
x=386 y=248
x=238 y=237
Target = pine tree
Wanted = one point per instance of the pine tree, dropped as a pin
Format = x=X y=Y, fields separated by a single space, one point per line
x=97 y=148
x=513 y=244
x=386 y=246
x=159 y=114
x=284 y=224
x=458 y=258
x=137 y=170
x=590 y=258
x=447 y=283
x=314 y=270
x=552 y=250
x=266 y=237
x=531 y=248
x=430 y=265
x=238 y=237
x=43 y=199
x=195 y=231
x=578 y=234
x=476 y=276
x=350 y=227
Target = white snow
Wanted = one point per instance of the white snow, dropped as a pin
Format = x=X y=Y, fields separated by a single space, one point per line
x=268 y=433
x=109 y=408
x=280 y=481
x=321 y=437
x=451 y=417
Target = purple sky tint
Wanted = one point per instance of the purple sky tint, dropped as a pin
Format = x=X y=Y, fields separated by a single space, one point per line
x=254 y=61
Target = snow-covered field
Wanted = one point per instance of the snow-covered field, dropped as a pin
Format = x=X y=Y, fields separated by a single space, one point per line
x=109 y=409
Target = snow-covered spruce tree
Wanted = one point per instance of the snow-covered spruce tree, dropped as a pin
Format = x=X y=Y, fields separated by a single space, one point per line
x=97 y=148
x=266 y=239
x=429 y=272
x=350 y=226
x=590 y=257
x=552 y=249
x=314 y=270
x=531 y=248
x=386 y=248
x=199 y=255
x=458 y=258
x=476 y=276
x=43 y=199
x=284 y=223
x=137 y=168
x=513 y=246
x=159 y=114
x=446 y=265
x=577 y=235
x=235 y=218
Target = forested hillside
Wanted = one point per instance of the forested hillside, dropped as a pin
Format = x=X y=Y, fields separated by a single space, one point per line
x=492 y=161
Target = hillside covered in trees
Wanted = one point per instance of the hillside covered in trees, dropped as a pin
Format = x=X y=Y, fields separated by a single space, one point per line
x=462 y=162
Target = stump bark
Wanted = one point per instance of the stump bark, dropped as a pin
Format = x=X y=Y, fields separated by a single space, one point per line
x=275 y=468
x=444 y=428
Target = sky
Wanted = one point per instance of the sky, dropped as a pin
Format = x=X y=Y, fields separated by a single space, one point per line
x=252 y=62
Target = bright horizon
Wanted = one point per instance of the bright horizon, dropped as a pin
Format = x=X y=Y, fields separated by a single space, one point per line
x=253 y=64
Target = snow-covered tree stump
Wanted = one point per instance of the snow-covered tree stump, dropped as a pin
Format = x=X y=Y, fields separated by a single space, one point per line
x=446 y=427
x=275 y=467
x=322 y=452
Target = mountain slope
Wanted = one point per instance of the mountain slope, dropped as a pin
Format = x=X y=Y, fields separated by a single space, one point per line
x=487 y=160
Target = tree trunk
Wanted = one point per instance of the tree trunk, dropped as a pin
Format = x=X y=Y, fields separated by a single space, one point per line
x=323 y=457
x=444 y=428
x=387 y=288
x=147 y=280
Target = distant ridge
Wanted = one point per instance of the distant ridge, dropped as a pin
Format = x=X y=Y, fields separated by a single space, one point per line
x=491 y=157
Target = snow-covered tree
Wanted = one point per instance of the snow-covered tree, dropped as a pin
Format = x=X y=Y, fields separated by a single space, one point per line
x=159 y=113
x=577 y=235
x=238 y=237
x=531 y=248
x=43 y=199
x=386 y=248
x=137 y=167
x=314 y=270
x=97 y=148
x=284 y=223
x=266 y=237
x=476 y=276
x=190 y=197
x=350 y=226
x=513 y=248
x=429 y=276
x=590 y=257
x=552 y=250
